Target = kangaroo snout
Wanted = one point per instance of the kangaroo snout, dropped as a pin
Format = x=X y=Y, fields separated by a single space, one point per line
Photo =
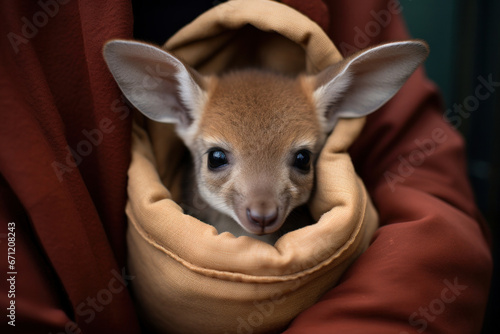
x=253 y=134
x=262 y=218
x=260 y=213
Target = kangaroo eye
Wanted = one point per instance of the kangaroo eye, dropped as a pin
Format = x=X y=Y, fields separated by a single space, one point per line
x=216 y=158
x=302 y=161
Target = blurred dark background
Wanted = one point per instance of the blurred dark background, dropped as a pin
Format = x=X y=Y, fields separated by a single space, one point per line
x=464 y=38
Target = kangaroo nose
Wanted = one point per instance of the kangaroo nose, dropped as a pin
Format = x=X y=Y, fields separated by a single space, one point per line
x=262 y=219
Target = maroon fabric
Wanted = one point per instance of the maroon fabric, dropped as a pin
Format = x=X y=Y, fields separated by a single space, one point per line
x=429 y=265
x=316 y=10
x=55 y=93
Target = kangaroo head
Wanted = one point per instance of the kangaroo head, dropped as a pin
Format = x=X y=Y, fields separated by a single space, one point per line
x=254 y=135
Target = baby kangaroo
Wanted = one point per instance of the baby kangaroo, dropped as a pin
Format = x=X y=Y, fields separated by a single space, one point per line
x=254 y=135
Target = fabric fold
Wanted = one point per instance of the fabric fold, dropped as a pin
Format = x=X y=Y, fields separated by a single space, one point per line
x=182 y=263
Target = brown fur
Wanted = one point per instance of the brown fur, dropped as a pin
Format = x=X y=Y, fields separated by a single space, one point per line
x=261 y=120
x=259 y=112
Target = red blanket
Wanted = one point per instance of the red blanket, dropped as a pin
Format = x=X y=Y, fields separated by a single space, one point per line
x=64 y=153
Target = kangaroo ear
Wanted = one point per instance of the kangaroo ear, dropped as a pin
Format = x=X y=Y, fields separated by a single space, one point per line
x=155 y=82
x=363 y=82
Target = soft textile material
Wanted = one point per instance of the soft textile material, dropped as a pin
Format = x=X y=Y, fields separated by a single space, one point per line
x=183 y=264
x=70 y=235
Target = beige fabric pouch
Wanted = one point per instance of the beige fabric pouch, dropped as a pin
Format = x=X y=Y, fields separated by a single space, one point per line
x=189 y=278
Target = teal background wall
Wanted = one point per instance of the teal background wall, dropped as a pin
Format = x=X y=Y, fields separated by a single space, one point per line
x=437 y=23
x=464 y=38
